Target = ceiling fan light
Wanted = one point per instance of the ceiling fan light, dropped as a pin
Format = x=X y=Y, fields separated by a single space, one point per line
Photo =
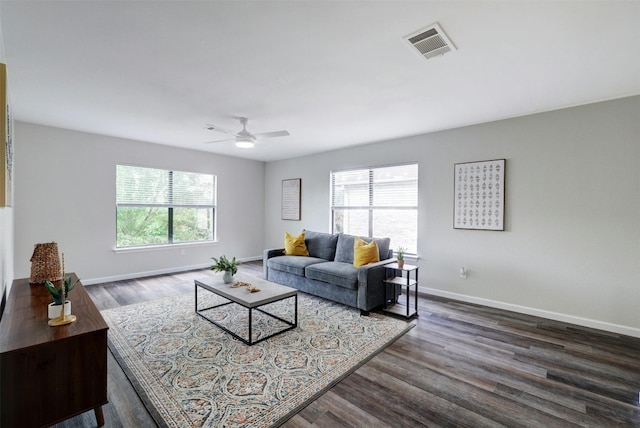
x=244 y=143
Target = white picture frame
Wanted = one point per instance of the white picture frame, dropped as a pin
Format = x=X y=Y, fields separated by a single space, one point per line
x=479 y=195
x=291 y=194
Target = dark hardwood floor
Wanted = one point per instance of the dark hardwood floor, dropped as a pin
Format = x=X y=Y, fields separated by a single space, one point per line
x=462 y=365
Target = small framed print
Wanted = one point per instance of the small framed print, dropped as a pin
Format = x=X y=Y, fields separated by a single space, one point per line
x=6 y=145
x=291 y=193
x=479 y=195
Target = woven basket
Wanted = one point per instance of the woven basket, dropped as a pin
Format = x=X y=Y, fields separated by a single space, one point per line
x=45 y=263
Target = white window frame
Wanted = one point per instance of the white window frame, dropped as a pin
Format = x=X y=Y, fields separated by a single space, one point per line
x=371 y=206
x=169 y=202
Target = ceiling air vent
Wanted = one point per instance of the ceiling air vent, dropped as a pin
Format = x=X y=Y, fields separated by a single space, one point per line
x=430 y=41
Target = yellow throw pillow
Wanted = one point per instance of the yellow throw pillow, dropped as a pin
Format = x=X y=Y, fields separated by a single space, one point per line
x=294 y=245
x=364 y=253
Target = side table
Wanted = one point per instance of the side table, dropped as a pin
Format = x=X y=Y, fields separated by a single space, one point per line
x=399 y=282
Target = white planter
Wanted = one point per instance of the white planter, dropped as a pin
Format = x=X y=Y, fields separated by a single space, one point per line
x=227 y=277
x=54 y=310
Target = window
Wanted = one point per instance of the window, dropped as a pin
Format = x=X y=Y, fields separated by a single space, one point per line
x=160 y=207
x=380 y=202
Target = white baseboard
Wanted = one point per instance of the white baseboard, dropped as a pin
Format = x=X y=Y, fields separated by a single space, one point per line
x=135 y=275
x=585 y=322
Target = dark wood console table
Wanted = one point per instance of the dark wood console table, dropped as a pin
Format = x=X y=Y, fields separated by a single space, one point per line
x=49 y=374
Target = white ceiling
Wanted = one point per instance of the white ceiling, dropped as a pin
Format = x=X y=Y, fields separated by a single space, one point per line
x=333 y=73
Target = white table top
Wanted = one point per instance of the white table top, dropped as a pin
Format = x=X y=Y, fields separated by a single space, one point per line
x=269 y=291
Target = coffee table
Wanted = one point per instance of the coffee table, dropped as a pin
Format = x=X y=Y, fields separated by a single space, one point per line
x=269 y=293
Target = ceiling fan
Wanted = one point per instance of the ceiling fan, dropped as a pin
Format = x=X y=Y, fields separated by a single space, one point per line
x=244 y=139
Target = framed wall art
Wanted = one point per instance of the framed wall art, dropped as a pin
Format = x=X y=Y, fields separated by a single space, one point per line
x=479 y=195
x=291 y=193
x=6 y=146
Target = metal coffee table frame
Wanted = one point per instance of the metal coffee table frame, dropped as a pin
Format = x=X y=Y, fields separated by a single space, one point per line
x=251 y=301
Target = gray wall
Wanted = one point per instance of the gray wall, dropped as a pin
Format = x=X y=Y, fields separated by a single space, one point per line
x=65 y=192
x=571 y=249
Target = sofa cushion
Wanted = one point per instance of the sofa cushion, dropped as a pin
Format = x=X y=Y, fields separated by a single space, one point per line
x=344 y=249
x=292 y=264
x=321 y=245
x=334 y=273
x=364 y=253
x=295 y=245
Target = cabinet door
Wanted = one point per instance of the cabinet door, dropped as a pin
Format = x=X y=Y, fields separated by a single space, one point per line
x=49 y=383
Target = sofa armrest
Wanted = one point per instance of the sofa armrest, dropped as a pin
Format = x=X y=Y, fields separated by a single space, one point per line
x=266 y=255
x=371 y=287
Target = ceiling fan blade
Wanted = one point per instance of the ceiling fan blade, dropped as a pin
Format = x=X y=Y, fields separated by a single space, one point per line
x=212 y=127
x=272 y=134
x=220 y=141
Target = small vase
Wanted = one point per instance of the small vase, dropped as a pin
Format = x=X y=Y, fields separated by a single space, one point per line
x=54 y=310
x=227 y=277
x=400 y=264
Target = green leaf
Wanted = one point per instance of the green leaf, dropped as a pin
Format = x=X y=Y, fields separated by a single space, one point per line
x=68 y=285
x=55 y=293
x=223 y=264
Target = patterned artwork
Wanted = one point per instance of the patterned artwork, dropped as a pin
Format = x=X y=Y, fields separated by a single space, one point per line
x=190 y=373
x=479 y=195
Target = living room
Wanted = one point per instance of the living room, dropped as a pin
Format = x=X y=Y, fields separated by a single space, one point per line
x=569 y=251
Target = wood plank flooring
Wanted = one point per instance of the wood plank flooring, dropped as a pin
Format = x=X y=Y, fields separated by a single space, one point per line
x=463 y=365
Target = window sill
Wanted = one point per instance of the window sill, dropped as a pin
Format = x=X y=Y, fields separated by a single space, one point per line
x=410 y=258
x=161 y=247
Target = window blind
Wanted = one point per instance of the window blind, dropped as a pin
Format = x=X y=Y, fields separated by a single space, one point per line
x=157 y=187
x=377 y=201
x=384 y=187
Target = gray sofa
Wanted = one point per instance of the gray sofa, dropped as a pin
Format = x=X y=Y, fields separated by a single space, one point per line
x=328 y=271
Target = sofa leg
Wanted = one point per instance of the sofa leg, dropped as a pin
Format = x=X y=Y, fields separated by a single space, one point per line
x=364 y=313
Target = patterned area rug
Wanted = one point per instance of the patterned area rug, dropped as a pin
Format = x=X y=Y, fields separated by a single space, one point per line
x=190 y=373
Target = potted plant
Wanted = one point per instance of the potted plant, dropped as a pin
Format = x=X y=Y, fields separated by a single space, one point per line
x=229 y=267
x=400 y=256
x=59 y=295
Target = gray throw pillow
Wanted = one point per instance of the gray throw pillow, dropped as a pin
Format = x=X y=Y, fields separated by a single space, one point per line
x=321 y=245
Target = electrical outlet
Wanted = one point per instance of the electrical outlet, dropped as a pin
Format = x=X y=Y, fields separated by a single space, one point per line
x=183 y=252
x=463 y=272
